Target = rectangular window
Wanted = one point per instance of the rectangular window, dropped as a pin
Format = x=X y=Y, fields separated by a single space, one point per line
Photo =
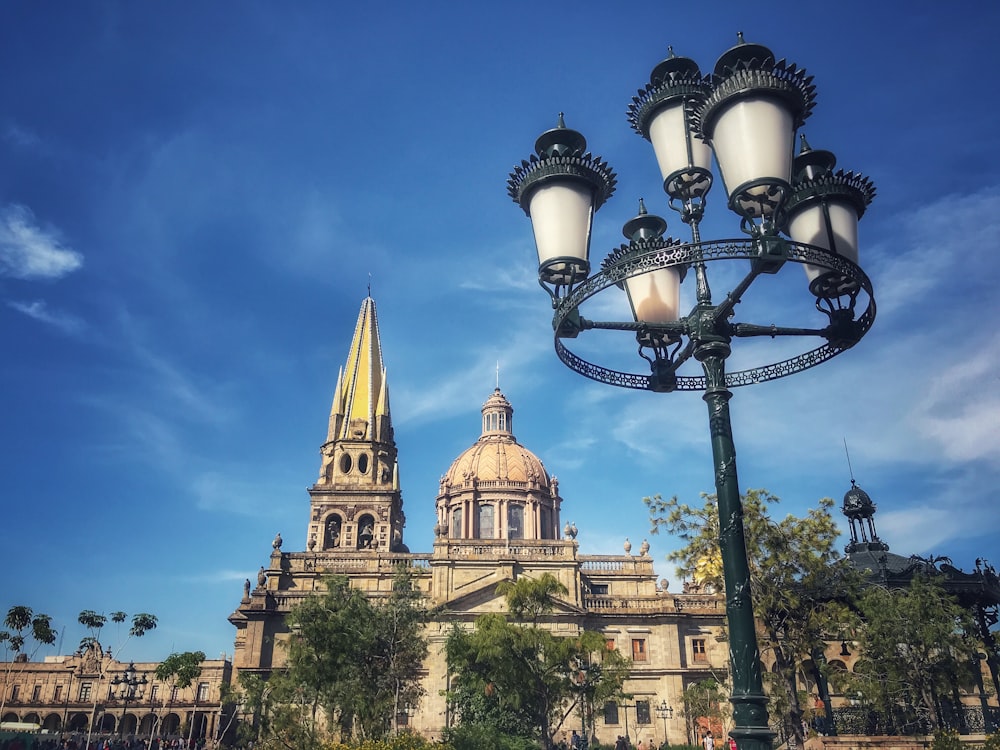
x=58 y=696
x=15 y=692
x=639 y=649
x=173 y=693
x=456 y=523
x=609 y=644
x=202 y=691
x=610 y=713
x=85 y=689
x=36 y=692
x=154 y=692
x=698 y=649
x=402 y=719
x=642 y=712
x=599 y=589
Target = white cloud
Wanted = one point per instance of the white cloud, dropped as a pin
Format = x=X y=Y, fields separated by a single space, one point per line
x=38 y=310
x=28 y=251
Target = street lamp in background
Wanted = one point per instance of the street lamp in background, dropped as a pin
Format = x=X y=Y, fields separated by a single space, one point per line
x=664 y=712
x=791 y=209
x=127 y=687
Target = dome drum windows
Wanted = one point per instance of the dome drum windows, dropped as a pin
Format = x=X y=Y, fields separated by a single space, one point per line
x=486 y=529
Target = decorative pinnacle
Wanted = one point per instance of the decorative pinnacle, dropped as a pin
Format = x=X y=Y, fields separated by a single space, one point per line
x=560 y=141
x=811 y=163
x=644 y=226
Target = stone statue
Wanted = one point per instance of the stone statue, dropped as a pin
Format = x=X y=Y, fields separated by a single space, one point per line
x=276 y=544
x=246 y=589
x=261 y=577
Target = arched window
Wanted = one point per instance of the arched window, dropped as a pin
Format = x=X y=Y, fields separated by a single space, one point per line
x=546 y=521
x=366 y=532
x=486 y=522
x=515 y=522
x=331 y=536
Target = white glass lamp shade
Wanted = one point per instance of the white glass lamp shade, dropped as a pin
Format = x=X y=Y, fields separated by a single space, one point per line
x=655 y=296
x=839 y=235
x=562 y=213
x=753 y=139
x=669 y=134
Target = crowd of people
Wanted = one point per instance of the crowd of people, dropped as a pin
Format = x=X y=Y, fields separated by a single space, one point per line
x=79 y=742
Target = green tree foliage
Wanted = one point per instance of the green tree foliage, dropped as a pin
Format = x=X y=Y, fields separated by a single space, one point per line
x=520 y=679
x=799 y=581
x=917 y=656
x=353 y=661
x=180 y=670
x=707 y=699
x=22 y=625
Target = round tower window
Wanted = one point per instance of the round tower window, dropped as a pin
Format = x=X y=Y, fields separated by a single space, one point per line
x=363 y=463
x=345 y=463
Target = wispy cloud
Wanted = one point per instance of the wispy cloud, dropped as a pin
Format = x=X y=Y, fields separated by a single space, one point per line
x=19 y=137
x=28 y=251
x=39 y=310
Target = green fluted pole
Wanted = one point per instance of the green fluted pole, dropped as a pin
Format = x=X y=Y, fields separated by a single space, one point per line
x=751 y=729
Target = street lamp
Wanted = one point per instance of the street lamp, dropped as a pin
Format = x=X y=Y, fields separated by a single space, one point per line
x=127 y=686
x=746 y=114
x=664 y=712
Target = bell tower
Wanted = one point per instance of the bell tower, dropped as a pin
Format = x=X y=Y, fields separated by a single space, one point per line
x=356 y=504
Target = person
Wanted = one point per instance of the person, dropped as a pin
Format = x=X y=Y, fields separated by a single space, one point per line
x=620 y=743
x=643 y=745
x=732 y=743
x=574 y=741
x=708 y=741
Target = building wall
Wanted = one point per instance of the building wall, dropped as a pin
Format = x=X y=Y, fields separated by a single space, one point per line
x=67 y=693
x=617 y=595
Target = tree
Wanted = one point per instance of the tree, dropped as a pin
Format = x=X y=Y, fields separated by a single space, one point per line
x=800 y=584
x=706 y=700
x=181 y=670
x=917 y=655
x=22 y=624
x=355 y=660
x=517 y=678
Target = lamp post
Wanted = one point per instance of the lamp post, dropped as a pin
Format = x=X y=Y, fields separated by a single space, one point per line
x=127 y=686
x=664 y=712
x=746 y=114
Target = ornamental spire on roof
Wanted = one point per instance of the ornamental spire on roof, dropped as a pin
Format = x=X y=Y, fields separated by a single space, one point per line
x=361 y=403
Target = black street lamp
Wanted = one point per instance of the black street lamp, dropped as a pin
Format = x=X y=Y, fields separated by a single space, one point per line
x=126 y=687
x=794 y=209
x=664 y=712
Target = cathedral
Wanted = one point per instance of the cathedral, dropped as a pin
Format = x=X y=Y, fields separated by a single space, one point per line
x=498 y=519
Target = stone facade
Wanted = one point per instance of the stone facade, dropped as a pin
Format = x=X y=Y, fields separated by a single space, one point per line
x=498 y=519
x=71 y=693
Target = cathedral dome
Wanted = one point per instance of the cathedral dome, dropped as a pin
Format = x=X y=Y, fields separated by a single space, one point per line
x=498 y=489
x=497 y=457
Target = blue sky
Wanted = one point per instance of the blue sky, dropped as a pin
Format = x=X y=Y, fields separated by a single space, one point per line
x=193 y=196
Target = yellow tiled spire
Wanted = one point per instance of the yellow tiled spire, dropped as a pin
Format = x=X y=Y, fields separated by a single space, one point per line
x=362 y=397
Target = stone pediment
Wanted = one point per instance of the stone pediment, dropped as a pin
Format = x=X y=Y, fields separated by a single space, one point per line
x=481 y=597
